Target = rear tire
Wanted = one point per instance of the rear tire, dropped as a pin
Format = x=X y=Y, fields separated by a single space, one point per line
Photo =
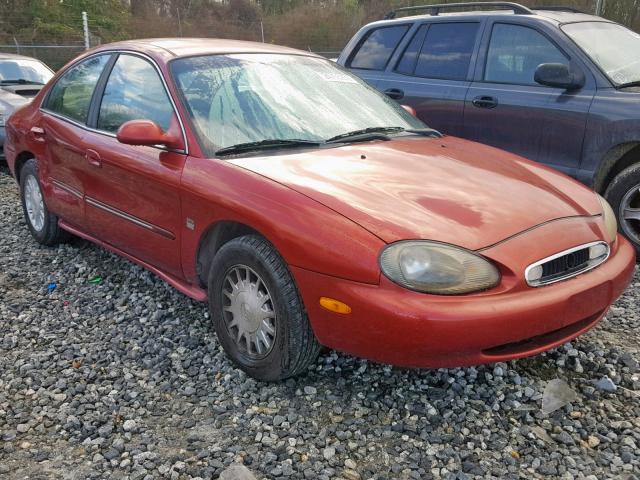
x=42 y=224
x=257 y=311
x=623 y=193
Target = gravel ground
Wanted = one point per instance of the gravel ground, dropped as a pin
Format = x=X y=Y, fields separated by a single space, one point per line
x=124 y=379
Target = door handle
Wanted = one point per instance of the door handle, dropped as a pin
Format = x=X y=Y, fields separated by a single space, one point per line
x=93 y=158
x=485 y=102
x=37 y=134
x=394 y=93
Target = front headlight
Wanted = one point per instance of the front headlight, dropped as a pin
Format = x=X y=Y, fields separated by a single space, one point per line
x=609 y=218
x=437 y=268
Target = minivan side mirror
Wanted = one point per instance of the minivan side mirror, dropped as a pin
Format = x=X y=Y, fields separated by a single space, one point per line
x=560 y=76
x=146 y=132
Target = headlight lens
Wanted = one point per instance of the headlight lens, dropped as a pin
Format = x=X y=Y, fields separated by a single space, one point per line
x=609 y=218
x=437 y=268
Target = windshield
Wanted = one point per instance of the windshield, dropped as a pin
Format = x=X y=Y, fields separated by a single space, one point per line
x=241 y=98
x=615 y=48
x=18 y=70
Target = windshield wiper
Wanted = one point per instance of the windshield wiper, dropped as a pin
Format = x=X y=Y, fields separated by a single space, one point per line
x=21 y=81
x=371 y=133
x=427 y=132
x=266 y=144
x=635 y=83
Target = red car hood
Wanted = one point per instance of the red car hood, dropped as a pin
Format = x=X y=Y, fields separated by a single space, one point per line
x=450 y=190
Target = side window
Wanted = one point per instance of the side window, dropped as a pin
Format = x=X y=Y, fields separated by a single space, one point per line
x=446 y=51
x=516 y=51
x=377 y=48
x=134 y=91
x=407 y=63
x=71 y=95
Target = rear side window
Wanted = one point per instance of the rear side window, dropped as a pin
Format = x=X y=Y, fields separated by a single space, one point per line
x=515 y=52
x=446 y=51
x=71 y=95
x=407 y=63
x=134 y=91
x=377 y=48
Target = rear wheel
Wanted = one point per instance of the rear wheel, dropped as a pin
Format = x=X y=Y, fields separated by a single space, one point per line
x=257 y=312
x=42 y=224
x=623 y=194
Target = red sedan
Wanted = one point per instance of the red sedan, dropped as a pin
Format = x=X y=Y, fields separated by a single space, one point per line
x=310 y=210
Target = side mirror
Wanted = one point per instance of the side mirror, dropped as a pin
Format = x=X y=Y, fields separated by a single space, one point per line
x=146 y=132
x=410 y=109
x=560 y=76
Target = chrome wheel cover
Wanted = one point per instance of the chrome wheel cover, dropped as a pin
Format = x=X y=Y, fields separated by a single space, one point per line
x=630 y=214
x=248 y=312
x=34 y=203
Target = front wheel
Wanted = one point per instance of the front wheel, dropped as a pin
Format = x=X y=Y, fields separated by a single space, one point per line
x=257 y=312
x=42 y=224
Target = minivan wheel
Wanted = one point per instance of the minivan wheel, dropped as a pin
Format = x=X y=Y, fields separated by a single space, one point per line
x=42 y=224
x=623 y=194
x=257 y=312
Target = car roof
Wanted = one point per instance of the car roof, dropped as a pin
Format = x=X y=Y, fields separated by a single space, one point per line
x=185 y=47
x=554 y=16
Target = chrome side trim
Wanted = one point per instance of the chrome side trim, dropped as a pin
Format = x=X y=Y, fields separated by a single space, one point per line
x=109 y=134
x=125 y=216
x=67 y=188
x=591 y=264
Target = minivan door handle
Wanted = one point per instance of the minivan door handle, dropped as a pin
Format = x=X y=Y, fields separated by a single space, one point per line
x=93 y=158
x=394 y=93
x=485 y=102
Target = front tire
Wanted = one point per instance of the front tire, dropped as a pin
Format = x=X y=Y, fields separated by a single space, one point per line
x=257 y=312
x=623 y=193
x=42 y=224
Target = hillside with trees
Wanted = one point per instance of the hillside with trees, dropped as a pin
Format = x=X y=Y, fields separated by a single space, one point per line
x=318 y=25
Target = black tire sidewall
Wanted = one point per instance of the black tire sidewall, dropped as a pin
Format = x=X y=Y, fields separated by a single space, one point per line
x=616 y=191
x=30 y=168
x=287 y=305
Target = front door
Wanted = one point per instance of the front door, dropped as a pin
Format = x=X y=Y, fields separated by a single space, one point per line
x=507 y=109
x=133 y=192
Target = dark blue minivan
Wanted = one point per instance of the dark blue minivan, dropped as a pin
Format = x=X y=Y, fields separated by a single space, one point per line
x=551 y=84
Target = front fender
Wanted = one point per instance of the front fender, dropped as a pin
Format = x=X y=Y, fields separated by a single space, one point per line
x=307 y=234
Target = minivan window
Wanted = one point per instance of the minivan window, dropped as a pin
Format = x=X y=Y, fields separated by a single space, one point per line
x=134 y=91
x=446 y=51
x=515 y=52
x=407 y=63
x=377 y=48
x=71 y=95
x=612 y=47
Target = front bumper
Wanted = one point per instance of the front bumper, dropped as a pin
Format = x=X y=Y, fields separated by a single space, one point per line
x=393 y=325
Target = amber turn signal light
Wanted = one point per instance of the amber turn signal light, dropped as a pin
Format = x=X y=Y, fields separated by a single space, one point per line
x=334 y=305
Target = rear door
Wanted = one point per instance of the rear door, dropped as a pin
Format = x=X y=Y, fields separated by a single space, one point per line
x=433 y=73
x=133 y=192
x=62 y=129
x=373 y=52
x=507 y=109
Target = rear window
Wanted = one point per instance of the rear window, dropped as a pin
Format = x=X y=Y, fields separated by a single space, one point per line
x=440 y=50
x=378 y=46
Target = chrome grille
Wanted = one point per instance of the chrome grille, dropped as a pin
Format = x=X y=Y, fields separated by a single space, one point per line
x=567 y=264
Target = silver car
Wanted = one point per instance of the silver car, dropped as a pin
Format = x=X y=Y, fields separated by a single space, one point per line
x=21 y=78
